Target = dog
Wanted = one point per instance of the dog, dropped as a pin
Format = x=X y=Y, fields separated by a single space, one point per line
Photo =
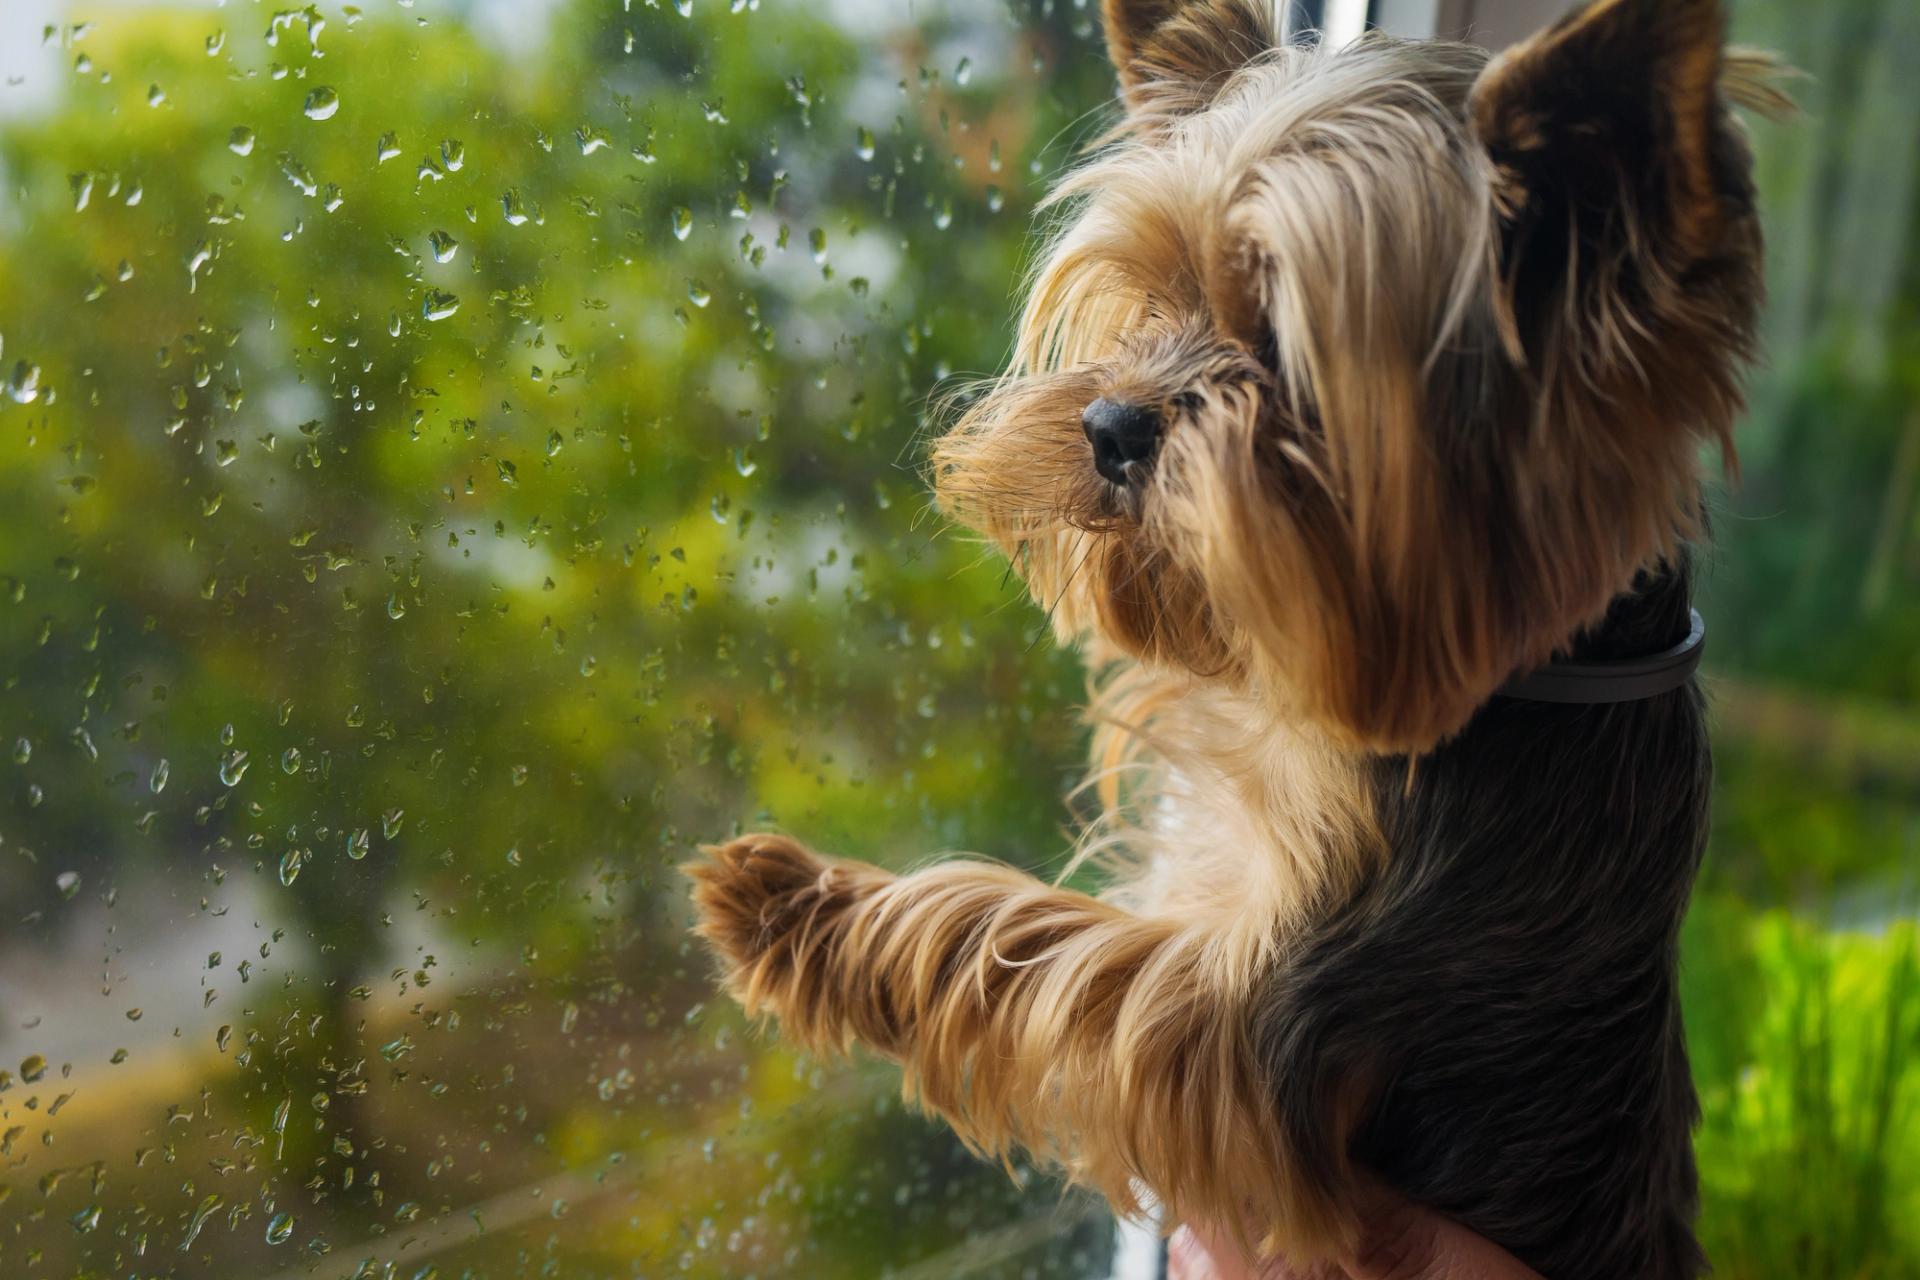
x=1352 y=387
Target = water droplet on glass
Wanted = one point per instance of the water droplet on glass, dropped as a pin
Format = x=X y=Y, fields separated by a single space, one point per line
x=22 y=751
x=554 y=444
x=23 y=384
x=817 y=244
x=201 y=255
x=698 y=293
x=396 y=607
x=516 y=211
x=240 y=140
x=390 y=822
x=683 y=7
x=87 y=1219
x=682 y=222
x=290 y=863
x=233 y=767
x=157 y=781
x=963 y=72
x=81 y=184
x=68 y=882
x=357 y=843
x=439 y=304
x=279 y=1227
x=290 y=760
x=204 y=1211
x=298 y=175
x=863 y=143
x=223 y=1037
x=443 y=245
x=453 y=154
x=743 y=463
x=321 y=103
x=155 y=95
x=569 y=1017
x=387 y=148
x=32 y=1067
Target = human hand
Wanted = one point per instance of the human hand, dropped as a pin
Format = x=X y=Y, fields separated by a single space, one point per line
x=1400 y=1240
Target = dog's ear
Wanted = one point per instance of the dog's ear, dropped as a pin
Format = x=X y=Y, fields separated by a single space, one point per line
x=1605 y=144
x=1171 y=55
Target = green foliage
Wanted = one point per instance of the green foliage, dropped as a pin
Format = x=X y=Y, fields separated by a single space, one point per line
x=1805 y=1044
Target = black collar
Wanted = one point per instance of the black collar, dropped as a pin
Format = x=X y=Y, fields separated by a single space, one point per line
x=1618 y=680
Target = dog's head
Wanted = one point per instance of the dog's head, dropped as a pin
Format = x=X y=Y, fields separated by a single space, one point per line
x=1365 y=378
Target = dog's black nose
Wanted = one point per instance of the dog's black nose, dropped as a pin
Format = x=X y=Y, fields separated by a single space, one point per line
x=1124 y=437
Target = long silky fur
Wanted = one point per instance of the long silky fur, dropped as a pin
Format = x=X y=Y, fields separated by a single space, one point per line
x=1437 y=344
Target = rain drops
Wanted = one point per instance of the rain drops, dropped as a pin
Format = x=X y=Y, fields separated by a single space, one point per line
x=240 y=140
x=682 y=222
x=233 y=767
x=443 y=245
x=321 y=103
x=23 y=384
x=439 y=304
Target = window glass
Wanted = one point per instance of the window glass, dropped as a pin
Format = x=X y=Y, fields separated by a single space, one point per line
x=1800 y=986
x=455 y=458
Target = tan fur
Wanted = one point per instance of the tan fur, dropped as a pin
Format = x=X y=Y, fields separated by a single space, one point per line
x=1408 y=452
x=1113 y=1044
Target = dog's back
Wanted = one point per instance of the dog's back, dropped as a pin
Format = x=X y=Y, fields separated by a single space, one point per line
x=1503 y=989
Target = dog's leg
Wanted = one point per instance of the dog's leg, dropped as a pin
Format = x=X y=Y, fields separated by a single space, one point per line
x=1030 y=1016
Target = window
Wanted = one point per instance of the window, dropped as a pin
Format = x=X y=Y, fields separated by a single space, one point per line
x=456 y=456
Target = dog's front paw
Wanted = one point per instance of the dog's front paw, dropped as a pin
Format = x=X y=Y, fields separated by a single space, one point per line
x=777 y=915
x=754 y=891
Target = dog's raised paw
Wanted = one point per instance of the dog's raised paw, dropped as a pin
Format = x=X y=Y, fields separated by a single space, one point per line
x=751 y=891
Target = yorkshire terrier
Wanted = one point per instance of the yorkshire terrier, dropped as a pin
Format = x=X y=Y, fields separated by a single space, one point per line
x=1354 y=431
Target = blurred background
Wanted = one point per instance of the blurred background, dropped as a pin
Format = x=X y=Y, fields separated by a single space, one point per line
x=455 y=457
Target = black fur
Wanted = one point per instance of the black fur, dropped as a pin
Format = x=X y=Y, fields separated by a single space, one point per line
x=1500 y=1001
